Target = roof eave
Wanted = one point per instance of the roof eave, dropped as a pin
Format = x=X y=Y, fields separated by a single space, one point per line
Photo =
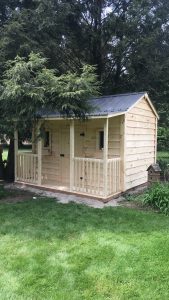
x=89 y=117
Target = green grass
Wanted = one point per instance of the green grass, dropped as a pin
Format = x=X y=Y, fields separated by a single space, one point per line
x=163 y=154
x=5 y=153
x=55 y=251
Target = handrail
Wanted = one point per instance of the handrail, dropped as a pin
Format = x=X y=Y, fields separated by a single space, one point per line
x=27 y=154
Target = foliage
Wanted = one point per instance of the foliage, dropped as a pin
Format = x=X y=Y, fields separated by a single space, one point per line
x=28 y=87
x=50 y=250
x=157 y=196
x=163 y=139
x=126 y=40
x=163 y=161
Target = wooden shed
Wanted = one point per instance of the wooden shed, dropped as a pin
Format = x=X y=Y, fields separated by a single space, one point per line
x=101 y=157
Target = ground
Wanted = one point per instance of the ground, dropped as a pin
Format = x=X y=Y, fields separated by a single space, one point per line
x=50 y=250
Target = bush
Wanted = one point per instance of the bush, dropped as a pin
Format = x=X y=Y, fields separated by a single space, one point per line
x=157 y=197
x=164 y=165
x=163 y=139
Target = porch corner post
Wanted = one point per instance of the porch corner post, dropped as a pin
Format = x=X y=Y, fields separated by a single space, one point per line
x=39 y=161
x=16 y=152
x=123 y=153
x=72 y=150
x=105 y=156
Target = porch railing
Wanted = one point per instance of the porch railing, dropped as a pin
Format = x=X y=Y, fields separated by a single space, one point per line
x=89 y=177
x=88 y=173
x=113 y=174
x=27 y=167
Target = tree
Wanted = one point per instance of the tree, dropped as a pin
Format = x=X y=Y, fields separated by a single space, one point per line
x=29 y=87
x=127 y=40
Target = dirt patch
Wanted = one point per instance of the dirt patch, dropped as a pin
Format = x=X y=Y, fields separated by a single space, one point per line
x=137 y=205
x=14 y=196
x=15 y=199
x=133 y=204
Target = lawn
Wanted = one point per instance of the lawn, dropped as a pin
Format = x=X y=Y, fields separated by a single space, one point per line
x=52 y=251
x=5 y=152
x=163 y=155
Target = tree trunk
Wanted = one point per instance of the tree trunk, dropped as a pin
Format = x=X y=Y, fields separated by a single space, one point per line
x=9 y=170
x=97 y=40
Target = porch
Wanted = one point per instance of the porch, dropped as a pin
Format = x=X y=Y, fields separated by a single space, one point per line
x=73 y=160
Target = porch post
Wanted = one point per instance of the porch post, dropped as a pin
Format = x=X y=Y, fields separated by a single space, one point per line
x=123 y=153
x=72 y=150
x=105 y=156
x=39 y=160
x=16 y=151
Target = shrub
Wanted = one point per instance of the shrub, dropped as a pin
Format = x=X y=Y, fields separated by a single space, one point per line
x=164 y=165
x=163 y=138
x=157 y=197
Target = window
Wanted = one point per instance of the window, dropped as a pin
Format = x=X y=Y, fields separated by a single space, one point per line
x=101 y=139
x=46 y=139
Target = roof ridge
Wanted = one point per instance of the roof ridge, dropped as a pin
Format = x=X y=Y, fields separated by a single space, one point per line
x=117 y=95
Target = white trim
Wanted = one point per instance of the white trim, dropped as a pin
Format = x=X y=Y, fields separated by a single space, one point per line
x=145 y=96
x=88 y=117
x=152 y=106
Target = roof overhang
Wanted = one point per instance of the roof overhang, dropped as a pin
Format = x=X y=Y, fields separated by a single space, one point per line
x=88 y=117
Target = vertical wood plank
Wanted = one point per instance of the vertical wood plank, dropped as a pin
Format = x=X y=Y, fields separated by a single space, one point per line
x=39 y=161
x=98 y=183
x=110 y=177
x=94 y=179
x=16 y=151
x=105 y=155
x=91 y=179
x=72 y=150
x=123 y=153
x=155 y=147
x=83 y=174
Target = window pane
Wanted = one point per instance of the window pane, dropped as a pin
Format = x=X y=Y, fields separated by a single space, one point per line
x=101 y=139
x=46 y=139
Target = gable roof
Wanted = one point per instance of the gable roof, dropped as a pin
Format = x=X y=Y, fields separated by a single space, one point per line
x=154 y=167
x=107 y=106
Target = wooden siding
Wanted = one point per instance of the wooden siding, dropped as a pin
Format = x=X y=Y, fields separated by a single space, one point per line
x=55 y=168
x=87 y=145
x=140 y=143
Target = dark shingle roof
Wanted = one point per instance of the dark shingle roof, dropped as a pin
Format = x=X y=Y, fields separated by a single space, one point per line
x=106 y=105
x=155 y=167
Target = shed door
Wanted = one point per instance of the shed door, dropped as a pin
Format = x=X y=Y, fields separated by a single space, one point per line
x=64 y=156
